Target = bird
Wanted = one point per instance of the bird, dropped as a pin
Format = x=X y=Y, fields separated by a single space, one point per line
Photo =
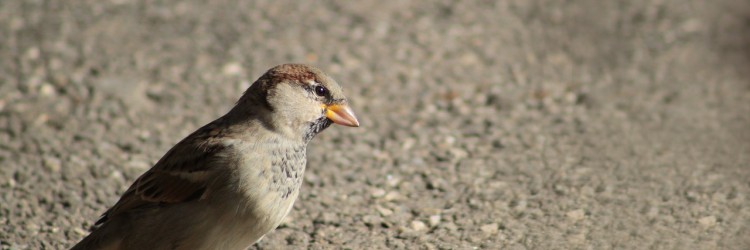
x=232 y=181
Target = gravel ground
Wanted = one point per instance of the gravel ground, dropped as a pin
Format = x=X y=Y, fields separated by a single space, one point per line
x=486 y=124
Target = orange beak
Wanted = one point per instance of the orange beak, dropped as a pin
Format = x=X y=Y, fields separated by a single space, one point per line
x=341 y=114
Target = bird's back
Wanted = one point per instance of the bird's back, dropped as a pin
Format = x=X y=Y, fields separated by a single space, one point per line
x=260 y=196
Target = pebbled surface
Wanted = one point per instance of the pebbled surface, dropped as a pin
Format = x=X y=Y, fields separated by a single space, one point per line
x=511 y=124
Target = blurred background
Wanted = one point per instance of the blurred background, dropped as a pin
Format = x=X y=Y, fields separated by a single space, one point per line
x=520 y=124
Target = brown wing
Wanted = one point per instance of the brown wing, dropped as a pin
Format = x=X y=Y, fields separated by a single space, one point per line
x=181 y=175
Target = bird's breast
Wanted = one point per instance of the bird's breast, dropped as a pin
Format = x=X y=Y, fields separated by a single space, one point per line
x=271 y=179
x=286 y=170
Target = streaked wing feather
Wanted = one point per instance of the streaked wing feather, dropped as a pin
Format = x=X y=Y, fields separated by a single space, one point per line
x=181 y=175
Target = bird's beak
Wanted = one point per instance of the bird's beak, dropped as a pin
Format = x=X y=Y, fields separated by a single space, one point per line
x=341 y=114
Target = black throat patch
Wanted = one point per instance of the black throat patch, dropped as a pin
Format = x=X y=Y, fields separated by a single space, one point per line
x=316 y=127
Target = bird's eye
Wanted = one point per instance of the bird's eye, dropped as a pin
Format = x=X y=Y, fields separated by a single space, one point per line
x=321 y=91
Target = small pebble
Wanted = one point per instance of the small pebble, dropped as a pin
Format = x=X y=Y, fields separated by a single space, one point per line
x=47 y=90
x=435 y=220
x=232 y=69
x=384 y=211
x=576 y=215
x=392 y=181
x=371 y=220
x=378 y=192
x=137 y=164
x=117 y=176
x=418 y=226
x=52 y=164
x=393 y=195
x=708 y=221
x=490 y=228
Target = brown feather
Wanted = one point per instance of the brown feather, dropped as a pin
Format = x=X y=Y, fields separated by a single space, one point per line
x=180 y=176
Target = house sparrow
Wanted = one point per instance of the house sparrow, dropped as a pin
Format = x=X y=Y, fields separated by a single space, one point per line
x=233 y=180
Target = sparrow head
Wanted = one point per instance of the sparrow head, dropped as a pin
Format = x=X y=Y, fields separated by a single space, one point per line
x=300 y=99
